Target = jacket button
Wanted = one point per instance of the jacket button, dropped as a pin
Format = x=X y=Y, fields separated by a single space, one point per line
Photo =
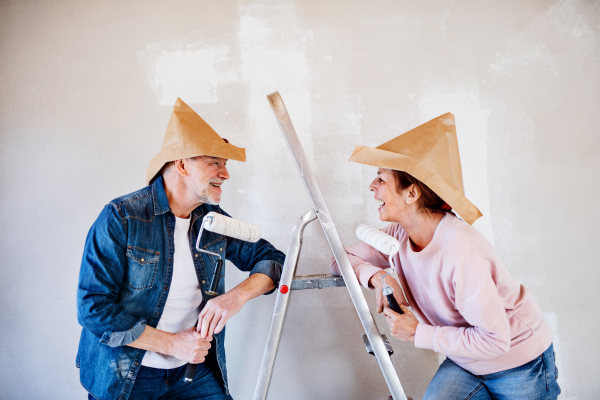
x=195 y=255
x=166 y=287
x=220 y=249
x=170 y=260
x=142 y=260
x=137 y=364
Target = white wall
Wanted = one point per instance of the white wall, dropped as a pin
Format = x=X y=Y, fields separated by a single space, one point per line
x=86 y=90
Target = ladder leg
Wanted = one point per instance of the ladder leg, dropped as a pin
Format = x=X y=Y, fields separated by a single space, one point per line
x=281 y=304
x=335 y=243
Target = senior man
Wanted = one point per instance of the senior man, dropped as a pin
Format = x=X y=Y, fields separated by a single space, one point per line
x=142 y=282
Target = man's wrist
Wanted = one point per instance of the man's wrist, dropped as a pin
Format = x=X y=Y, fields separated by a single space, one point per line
x=170 y=343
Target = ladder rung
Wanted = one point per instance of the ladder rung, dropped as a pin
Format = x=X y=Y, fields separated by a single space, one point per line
x=318 y=281
x=386 y=342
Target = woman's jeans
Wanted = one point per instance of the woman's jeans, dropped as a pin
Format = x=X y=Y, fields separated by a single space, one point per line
x=531 y=381
x=168 y=384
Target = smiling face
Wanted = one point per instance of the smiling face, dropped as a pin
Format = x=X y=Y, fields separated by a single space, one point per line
x=205 y=176
x=393 y=205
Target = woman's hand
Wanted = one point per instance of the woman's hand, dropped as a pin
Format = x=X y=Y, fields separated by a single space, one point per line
x=402 y=326
x=378 y=284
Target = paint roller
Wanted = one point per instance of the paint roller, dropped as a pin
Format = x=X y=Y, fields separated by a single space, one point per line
x=387 y=245
x=221 y=224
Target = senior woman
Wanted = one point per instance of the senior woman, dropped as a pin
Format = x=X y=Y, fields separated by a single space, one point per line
x=464 y=302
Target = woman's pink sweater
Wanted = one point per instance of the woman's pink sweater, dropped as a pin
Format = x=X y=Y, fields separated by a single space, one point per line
x=467 y=304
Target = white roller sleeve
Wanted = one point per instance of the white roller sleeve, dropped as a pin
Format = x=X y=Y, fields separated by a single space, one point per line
x=234 y=228
x=378 y=239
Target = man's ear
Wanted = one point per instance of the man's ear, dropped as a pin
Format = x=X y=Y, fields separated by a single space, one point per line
x=413 y=194
x=181 y=166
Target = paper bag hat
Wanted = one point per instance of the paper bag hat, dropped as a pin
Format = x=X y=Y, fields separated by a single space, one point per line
x=188 y=136
x=429 y=153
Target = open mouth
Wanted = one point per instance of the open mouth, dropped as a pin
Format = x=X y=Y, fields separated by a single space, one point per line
x=381 y=202
x=215 y=184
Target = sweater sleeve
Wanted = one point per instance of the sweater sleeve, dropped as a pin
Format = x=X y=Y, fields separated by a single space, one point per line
x=471 y=285
x=365 y=260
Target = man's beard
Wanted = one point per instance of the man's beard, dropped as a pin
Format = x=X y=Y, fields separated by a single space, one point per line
x=206 y=198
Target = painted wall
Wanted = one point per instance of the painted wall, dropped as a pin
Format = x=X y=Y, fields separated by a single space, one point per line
x=87 y=90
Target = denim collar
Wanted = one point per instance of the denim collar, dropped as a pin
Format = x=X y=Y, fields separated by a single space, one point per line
x=161 y=202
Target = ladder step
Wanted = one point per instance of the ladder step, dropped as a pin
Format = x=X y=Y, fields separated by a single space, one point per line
x=318 y=281
x=386 y=342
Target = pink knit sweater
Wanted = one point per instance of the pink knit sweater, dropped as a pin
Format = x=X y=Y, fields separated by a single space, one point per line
x=467 y=304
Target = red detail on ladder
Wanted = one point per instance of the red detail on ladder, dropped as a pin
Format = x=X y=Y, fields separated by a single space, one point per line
x=284 y=289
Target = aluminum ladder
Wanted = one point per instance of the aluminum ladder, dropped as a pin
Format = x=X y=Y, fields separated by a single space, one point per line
x=288 y=282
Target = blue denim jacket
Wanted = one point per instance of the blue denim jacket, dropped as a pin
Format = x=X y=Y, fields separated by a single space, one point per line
x=125 y=277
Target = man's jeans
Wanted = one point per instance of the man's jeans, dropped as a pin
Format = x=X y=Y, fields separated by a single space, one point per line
x=532 y=381
x=168 y=384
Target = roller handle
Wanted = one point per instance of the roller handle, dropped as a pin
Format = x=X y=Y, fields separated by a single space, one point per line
x=393 y=304
x=190 y=369
x=190 y=373
x=214 y=284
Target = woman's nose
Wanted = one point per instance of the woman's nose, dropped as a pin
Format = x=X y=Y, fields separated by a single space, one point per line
x=372 y=187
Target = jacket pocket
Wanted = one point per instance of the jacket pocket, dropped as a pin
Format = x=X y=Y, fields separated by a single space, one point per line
x=142 y=267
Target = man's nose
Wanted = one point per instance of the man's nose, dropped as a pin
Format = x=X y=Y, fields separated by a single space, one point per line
x=223 y=174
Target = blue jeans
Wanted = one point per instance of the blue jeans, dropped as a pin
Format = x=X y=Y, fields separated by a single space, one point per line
x=532 y=381
x=168 y=384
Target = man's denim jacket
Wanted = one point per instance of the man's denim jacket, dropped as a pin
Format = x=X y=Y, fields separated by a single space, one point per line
x=124 y=281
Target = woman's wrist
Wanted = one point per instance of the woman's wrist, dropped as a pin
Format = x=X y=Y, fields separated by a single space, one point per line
x=375 y=280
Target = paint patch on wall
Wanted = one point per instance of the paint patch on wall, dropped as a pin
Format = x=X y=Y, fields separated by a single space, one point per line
x=273 y=47
x=272 y=50
x=531 y=49
x=188 y=66
x=471 y=119
x=186 y=74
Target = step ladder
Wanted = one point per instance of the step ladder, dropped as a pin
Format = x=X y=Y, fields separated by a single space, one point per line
x=373 y=339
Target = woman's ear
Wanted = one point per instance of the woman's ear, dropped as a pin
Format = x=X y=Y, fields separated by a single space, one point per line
x=412 y=194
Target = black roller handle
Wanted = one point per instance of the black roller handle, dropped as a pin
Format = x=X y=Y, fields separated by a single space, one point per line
x=393 y=304
x=190 y=369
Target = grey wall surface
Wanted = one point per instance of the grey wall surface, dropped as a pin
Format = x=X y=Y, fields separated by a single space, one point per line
x=87 y=88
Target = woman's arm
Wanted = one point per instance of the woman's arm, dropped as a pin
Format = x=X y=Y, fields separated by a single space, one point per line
x=473 y=287
x=365 y=260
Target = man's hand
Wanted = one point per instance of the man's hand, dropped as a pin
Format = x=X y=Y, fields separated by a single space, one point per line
x=189 y=346
x=378 y=284
x=402 y=326
x=217 y=312
x=186 y=346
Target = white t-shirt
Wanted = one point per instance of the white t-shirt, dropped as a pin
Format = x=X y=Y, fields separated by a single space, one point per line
x=183 y=302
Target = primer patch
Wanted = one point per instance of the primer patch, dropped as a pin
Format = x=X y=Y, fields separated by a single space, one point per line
x=272 y=49
x=189 y=67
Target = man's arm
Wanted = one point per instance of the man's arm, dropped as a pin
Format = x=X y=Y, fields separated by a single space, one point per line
x=263 y=261
x=100 y=279
x=186 y=346
x=217 y=311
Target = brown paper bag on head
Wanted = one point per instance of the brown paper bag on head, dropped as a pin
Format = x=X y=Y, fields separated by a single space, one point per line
x=429 y=153
x=188 y=136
